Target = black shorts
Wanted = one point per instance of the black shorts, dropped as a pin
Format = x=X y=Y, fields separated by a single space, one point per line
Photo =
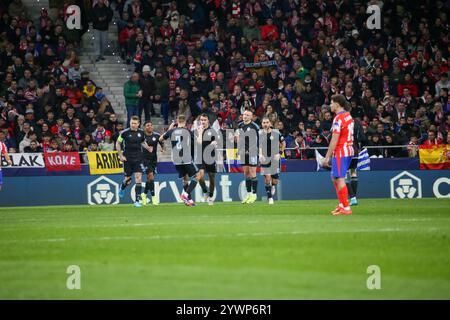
x=208 y=167
x=149 y=166
x=186 y=169
x=354 y=163
x=268 y=169
x=250 y=161
x=132 y=166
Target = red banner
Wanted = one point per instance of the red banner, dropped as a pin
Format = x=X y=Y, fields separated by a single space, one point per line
x=62 y=161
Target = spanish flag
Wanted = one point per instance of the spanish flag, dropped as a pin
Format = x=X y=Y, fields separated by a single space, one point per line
x=434 y=157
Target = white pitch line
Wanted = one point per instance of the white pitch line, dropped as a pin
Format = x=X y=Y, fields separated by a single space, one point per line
x=215 y=235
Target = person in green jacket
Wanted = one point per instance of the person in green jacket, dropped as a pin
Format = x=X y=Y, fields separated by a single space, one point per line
x=132 y=92
x=251 y=30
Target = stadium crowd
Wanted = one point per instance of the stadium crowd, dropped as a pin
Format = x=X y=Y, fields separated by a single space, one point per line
x=281 y=58
x=47 y=100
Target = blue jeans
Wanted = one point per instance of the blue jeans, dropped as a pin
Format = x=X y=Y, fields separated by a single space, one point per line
x=146 y=106
x=132 y=110
x=165 y=112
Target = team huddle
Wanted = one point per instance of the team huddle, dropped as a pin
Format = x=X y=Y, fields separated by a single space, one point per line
x=194 y=154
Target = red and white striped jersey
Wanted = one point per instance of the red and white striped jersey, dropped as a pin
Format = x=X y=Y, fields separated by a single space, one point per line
x=343 y=125
x=3 y=150
x=236 y=9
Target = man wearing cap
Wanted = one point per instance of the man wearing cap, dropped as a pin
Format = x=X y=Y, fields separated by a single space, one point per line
x=147 y=85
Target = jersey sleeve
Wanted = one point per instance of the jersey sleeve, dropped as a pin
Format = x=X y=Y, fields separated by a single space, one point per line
x=3 y=148
x=337 y=125
x=120 y=138
x=166 y=135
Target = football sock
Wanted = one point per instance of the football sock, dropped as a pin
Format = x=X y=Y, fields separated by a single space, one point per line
x=191 y=187
x=138 y=191
x=152 y=187
x=248 y=184
x=255 y=184
x=344 y=196
x=124 y=184
x=350 y=189
x=354 y=184
x=338 y=193
x=268 y=187
x=203 y=186
x=212 y=185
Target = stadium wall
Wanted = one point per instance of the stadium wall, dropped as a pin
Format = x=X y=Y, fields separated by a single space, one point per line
x=103 y=189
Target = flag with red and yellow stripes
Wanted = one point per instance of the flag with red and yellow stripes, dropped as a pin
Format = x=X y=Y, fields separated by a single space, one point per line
x=434 y=157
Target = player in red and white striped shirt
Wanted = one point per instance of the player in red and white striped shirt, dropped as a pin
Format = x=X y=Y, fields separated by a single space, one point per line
x=341 y=148
x=3 y=152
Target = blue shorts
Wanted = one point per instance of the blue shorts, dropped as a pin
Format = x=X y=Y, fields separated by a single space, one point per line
x=339 y=166
x=1 y=177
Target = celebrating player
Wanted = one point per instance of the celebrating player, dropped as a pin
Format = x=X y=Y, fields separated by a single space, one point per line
x=247 y=137
x=271 y=147
x=150 y=162
x=207 y=139
x=182 y=156
x=129 y=146
x=341 y=148
x=3 y=152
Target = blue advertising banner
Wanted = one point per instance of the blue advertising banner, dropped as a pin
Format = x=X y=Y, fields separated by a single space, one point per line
x=168 y=167
x=103 y=190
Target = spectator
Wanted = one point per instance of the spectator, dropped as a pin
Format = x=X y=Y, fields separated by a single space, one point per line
x=196 y=16
x=413 y=147
x=132 y=92
x=101 y=17
x=147 y=85
x=33 y=148
x=107 y=144
x=432 y=140
x=443 y=83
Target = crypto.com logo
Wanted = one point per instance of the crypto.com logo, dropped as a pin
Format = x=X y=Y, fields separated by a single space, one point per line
x=103 y=191
x=374 y=20
x=406 y=185
x=73 y=13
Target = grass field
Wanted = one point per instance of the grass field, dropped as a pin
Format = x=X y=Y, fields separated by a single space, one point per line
x=292 y=250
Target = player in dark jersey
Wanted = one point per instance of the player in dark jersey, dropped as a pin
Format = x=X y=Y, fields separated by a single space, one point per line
x=182 y=140
x=206 y=137
x=352 y=181
x=150 y=162
x=247 y=137
x=271 y=147
x=129 y=145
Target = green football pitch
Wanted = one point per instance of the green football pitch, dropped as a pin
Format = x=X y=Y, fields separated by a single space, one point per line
x=292 y=250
